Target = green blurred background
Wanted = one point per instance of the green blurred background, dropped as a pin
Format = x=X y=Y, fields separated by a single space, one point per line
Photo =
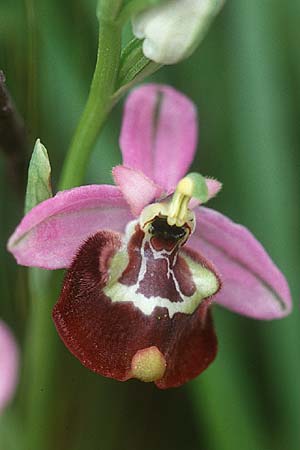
x=245 y=80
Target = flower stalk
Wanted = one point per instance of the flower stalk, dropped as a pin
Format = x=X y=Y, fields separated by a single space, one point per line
x=98 y=104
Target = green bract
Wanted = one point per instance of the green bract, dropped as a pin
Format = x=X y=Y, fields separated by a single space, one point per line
x=39 y=181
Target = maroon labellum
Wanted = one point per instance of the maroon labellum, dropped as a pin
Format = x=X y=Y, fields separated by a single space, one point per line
x=139 y=308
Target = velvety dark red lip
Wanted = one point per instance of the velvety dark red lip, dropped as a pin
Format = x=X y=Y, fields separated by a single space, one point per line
x=105 y=336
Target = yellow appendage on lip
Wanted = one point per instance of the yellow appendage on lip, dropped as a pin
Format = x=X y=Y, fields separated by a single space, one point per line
x=148 y=364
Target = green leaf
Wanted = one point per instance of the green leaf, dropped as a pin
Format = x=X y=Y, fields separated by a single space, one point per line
x=39 y=181
x=132 y=62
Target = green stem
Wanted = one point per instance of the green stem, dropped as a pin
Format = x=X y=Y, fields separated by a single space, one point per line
x=97 y=107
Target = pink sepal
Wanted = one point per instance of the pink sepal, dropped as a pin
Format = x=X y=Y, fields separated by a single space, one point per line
x=159 y=134
x=252 y=284
x=50 y=234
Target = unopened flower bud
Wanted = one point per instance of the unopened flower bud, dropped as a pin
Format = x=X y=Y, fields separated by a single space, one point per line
x=172 y=30
x=39 y=177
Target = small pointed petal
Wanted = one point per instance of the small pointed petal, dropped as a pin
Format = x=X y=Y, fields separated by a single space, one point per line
x=9 y=362
x=115 y=338
x=159 y=134
x=50 y=234
x=137 y=189
x=252 y=284
x=213 y=186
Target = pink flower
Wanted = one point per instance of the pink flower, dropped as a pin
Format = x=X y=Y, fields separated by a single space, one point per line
x=9 y=361
x=136 y=302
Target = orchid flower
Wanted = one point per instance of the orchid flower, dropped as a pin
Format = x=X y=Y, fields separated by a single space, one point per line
x=145 y=259
x=9 y=361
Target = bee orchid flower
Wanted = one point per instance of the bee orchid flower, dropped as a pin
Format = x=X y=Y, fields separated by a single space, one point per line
x=145 y=259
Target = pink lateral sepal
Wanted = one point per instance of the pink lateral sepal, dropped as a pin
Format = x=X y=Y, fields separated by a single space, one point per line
x=252 y=284
x=106 y=335
x=51 y=233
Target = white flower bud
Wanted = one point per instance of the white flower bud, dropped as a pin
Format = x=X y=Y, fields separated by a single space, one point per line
x=173 y=29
